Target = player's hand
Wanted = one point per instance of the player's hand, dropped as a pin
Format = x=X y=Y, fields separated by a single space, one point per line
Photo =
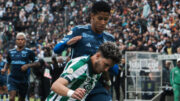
x=3 y=71
x=79 y=93
x=74 y=40
x=24 y=67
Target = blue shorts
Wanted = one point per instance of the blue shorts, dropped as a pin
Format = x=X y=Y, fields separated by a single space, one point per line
x=20 y=88
x=99 y=93
x=3 y=80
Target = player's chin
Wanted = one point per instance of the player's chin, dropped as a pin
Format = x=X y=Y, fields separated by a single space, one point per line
x=101 y=29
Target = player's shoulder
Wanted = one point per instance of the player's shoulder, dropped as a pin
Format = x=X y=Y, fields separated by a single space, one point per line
x=80 y=60
x=27 y=50
x=13 y=50
x=81 y=27
x=108 y=35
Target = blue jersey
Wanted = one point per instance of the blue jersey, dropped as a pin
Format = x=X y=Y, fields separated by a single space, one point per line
x=16 y=59
x=3 y=77
x=2 y=63
x=89 y=43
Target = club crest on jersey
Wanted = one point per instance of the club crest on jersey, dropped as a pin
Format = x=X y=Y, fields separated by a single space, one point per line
x=69 y=33
x=23 y=55
x=70 y=71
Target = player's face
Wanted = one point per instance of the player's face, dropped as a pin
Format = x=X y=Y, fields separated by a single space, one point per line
x=99 y=21
x=20 y=41
x=102 y=64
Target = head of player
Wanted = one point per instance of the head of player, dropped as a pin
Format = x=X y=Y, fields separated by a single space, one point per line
x=107 y=55
x=100 y=14
x=20 y=40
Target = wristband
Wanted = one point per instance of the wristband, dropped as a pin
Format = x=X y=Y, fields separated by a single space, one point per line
x=70 y=93
x=108 y=82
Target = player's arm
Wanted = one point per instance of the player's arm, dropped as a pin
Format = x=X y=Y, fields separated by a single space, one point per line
x=38 y=64
x=64 y=44
x=6 y=66
x=60 y=87
x=71 y=38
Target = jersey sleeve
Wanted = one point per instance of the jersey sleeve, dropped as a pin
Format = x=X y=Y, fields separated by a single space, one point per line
x=72 y=71
x=61 y=46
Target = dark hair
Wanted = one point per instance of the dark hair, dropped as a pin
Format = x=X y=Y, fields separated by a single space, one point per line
x=111 y=51
x=100 y=6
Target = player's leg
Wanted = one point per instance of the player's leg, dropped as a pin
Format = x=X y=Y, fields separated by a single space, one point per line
x=5 y=92
x=176 y=89
x=4 y=87
x=1 y=93
x=12 y=89
x=23 y=88
x=12 y=95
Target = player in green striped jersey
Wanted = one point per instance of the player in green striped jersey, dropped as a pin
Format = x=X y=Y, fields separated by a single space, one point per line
x=81 y=74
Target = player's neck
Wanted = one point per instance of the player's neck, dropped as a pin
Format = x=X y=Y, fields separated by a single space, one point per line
x=20 y=48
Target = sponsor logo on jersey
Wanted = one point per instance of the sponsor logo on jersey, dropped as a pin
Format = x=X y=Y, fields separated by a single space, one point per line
x=88 y=45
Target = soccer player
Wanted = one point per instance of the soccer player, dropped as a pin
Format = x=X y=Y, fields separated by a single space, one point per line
x=82 y=73
x=3 y=80
x=19 y=59
x=86 y=39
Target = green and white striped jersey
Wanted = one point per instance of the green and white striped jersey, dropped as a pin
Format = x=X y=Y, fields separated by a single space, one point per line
x=79 y=73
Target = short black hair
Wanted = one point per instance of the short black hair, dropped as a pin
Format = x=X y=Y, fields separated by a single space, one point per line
x=100 y=6
x=110 y=50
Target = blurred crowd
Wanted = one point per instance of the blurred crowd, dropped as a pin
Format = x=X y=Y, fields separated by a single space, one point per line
x=138 y=25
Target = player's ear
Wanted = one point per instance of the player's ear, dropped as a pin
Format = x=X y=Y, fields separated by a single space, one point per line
x=98 y=54
x=92 y=16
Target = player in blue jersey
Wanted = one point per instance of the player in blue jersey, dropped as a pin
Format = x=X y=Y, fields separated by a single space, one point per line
x=19 y=59
x=86 y=39
x=3 y=80
x=81 y=74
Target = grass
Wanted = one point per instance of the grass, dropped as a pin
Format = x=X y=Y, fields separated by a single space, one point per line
x=16 y=99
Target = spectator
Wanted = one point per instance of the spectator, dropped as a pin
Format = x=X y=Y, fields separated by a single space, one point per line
x=174 y=80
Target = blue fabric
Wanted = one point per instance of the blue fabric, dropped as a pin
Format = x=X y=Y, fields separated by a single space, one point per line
x=89 y=43
x=3 y=80
x=114 y=70
x=3 y=77
x=21 y=88
x=99 y=93
x=60 y=47
x=17 y=59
